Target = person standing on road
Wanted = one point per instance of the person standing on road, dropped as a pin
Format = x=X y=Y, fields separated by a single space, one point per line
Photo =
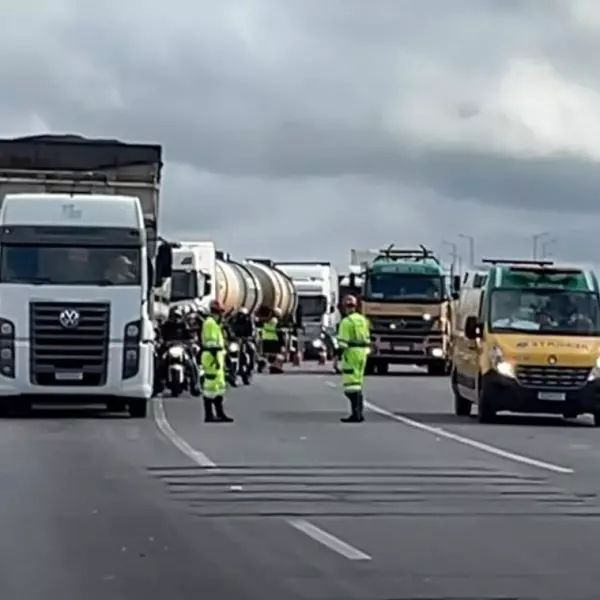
x=213 y=364
x=354 y=342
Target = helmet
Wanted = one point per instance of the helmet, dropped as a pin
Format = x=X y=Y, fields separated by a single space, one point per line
x=277 y=312
x=216 y=307
x=350 y=301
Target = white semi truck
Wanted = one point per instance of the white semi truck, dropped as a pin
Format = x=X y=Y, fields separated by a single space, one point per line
x=83 y=276
x=194 y=274
x=318 y=297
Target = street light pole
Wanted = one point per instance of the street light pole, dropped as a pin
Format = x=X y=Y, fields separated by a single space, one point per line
x=536 y=240
x=471 y=241
x=545 y=247
x=456 y=259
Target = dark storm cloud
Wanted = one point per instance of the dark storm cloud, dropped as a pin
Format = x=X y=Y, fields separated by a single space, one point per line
x=278 y=110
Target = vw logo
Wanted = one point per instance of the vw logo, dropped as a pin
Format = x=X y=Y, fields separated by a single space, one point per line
x=552 y=360
x=69 y=318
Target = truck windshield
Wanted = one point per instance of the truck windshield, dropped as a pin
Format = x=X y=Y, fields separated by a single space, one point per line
x=547 y=312
x=403 y=287
x=70 y=265
x=312 y=306
x=184 y=285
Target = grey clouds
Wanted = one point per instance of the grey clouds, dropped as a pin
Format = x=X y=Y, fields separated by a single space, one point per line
x=301 y=128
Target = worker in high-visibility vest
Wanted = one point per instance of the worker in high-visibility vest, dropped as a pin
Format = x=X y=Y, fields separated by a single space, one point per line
x=354 y=341
x=213 y=364
x=271 y=340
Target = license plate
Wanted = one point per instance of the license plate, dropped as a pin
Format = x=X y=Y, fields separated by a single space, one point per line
x=68 y=376
x=555 y=396
x=402 y=348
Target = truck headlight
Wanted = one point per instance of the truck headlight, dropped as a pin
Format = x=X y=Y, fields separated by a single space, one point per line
x=7 y=345
x=501 y=366
x=427 y=317
x=131 y=349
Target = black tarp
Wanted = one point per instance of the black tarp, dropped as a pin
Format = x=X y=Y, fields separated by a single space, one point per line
x=76 y=153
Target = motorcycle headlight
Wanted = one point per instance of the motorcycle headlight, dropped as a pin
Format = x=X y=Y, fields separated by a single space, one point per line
x=501 y=366
x=317 y=343
x=176 y=352
x=233 y=347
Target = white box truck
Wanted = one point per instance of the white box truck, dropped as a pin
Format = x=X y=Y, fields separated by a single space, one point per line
x=82 y=274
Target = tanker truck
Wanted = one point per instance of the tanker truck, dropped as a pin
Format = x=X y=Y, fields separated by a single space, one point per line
x=258 y=286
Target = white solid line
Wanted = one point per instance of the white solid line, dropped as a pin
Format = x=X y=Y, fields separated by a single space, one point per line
x=160 y=418
x=443 y=433
x=328 y=540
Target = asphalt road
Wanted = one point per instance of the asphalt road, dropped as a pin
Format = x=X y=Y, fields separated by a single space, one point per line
x=287 y=501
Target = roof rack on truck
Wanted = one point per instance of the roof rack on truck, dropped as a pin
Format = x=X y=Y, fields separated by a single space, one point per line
x=416 y=254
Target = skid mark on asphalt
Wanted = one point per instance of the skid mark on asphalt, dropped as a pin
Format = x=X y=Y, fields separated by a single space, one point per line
x=328 y=540
x=483 y=447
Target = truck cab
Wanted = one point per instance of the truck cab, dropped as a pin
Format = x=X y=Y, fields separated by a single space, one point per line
x=408 y=303
x=318 y=297
x=84 y=277
x=194 y=274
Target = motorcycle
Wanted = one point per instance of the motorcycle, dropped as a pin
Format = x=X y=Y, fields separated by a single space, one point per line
x=232 y=362
x=246 y=367
x=177 y=378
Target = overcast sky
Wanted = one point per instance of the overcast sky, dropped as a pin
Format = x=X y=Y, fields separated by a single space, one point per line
x=303 y=128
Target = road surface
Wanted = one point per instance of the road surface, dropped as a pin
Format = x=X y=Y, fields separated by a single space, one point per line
x=290 y=503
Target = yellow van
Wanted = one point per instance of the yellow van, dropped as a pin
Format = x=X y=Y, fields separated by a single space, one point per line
x=527 y=340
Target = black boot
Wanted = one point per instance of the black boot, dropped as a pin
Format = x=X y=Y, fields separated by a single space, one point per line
x=221 y=415
x=354 y=416
x=209 y=416
x=360 y=406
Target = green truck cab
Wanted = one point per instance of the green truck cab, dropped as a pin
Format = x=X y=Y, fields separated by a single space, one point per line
x=406 y=297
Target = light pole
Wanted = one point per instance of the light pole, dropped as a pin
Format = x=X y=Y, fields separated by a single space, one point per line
x=456 y=258
x=471 y=241
x=536 y=241
x=546 y=246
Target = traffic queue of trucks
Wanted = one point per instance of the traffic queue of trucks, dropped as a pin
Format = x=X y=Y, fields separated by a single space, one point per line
x=85 y=279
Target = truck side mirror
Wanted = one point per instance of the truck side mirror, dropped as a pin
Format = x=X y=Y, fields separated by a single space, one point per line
x=332 y=309
x=207 y=285
x=164 y=263
x=456 y=283
x=472 y=328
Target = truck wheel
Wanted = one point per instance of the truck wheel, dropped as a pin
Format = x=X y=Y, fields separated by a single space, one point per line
x=437 y=369
x=383 y=368
x=138 y=408
x=115 y=406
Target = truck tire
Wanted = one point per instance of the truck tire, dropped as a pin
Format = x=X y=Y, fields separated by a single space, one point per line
x=138 y=408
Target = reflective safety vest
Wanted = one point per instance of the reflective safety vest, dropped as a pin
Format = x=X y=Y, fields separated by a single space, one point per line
x=354 y=332
x=212 y=335
x=268 y=331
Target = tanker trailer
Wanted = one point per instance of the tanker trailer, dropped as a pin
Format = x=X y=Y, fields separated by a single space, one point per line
x=278 y=290
x=237 y=287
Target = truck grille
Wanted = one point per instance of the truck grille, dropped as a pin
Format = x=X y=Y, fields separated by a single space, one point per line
x=552 y=378
x=410 y=325
x=69 y=355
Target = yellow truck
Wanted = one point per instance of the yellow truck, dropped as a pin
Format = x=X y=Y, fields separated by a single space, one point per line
x=405 y=296
x=527 y=340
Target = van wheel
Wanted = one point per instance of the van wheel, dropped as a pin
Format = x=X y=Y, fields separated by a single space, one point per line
x=138 y=408
x=486 y=413
x=462 y=406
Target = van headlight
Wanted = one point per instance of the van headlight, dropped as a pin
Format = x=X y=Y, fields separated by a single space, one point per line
x=499 y=365
x=595 y=372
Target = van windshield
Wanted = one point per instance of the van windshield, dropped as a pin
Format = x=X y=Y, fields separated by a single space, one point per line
x=545 y=312
x=70 y=265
